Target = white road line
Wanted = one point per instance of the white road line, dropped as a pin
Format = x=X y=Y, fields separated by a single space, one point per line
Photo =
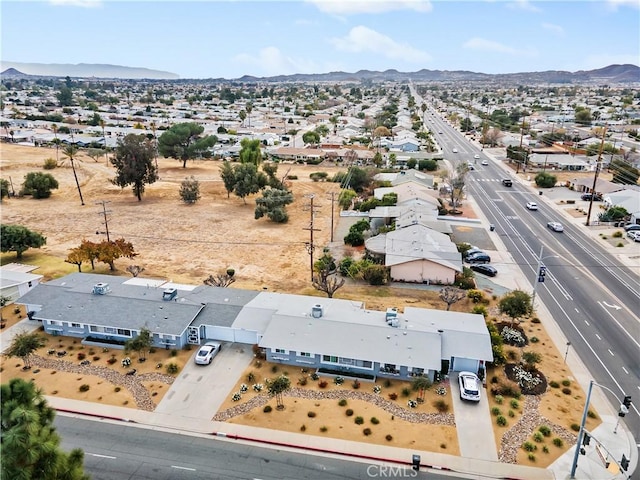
x=609 y=350
x=577 y=311
x=598 y=337
x=586 y=323
x=183 y=468
x=102 y=456
x=625 y=370
x=621 y=327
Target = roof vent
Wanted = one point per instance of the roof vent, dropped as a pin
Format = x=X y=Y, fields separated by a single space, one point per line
x=316 y=311
x=169 y=294
x=391 y=314
x=101 y=289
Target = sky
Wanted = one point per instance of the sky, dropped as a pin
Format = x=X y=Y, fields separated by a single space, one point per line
x=228 y=39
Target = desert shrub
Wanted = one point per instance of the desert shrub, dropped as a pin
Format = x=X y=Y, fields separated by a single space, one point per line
x=480 y=310
x=49 y=163
x=311 y=414
x=529 y=447
x=506 y=388
x=174 y=352
x=443 y=446
x=117 y=389
x=359 y=420
x=303 y=428
x=619 y=244
x=82 y=355
x=84 y=387
x=96 y=358
x=514 y=404
x=393 y=396
x=534 y=339
x=268 y=408
x=324 y=428
x=356 y=384
x=387 y=383
x=538 y=437
x=513 y=355
x=544 y=430
x=172 y=368
x=323 y=384
x=511 y=413
x=441 y=406
x=592 y=414
x=566 y=383
x=566 y=391
x=531 y=457
x=476 y=296
x=575 y=427
x=558 y=442
x=535 y=320
x=388 y=438
x=495 y=411
x=348 y=412
x=274 y=368
x=501 y=421
x=499 y=399
x=151 y=350
x=375 y=421
x=302 y=381
x=342 y=402
x=367 y=431
x=338 y=380
x=250 y=377
x=406 y=392
x=545 y=449
x=554 y=384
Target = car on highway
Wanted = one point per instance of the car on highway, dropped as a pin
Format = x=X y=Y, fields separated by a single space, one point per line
x=479 y=257
x=507 y=182
x=469 y=386
x=555 y=226
x=488 y=270
x=634 y=235
x=633 y=226
x=532 y=206
x=470 y=166
x=476 y=156
x=484 y=162
x=206 y=353
x=455 y=150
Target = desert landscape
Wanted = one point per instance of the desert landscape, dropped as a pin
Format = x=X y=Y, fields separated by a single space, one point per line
x=186 y=243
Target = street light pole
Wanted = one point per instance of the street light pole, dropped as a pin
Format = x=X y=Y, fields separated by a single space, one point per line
x=567 y=352
x=537 y=279
x=574 y=465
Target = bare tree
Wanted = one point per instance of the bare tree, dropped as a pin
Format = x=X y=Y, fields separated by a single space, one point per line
x=222 y=280
x=326 y=282
x=451 y=295
x=135 y=270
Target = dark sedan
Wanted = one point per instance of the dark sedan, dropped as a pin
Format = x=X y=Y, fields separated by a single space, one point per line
x=485 y=269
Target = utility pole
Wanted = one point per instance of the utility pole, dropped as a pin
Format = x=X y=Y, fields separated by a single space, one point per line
x=310 y=245
x=73 y=150
x=104 y=213
x=333 y=199
x=595 y=176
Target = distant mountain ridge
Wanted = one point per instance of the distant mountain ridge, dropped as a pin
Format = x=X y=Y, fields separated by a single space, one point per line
x=611 y=74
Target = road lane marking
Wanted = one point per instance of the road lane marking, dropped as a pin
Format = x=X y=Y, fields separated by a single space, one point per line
x=183 y=468
x=625 y=370
x=621 y=327
x=598 y=337
x=609 y=350
x=586 y=323
x=102 y=456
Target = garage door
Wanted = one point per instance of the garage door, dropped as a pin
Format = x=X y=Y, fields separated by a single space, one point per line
x=466 y=364
x=224 y=334
x=249 y=337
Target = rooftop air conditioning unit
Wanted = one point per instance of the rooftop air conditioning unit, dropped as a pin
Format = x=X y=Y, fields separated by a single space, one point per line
x=316 y=311
x=169 y=294
x=101 y=288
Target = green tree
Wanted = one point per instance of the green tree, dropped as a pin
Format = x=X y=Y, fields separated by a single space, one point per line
x=613 y=214
x=311 y=136
x=4 y=188
x=376 y=274
x=421 y=385
x=345 y=198
x=23 y=345
x=250 y=151
x=248 y=180
x=516 y=304
x=277 y=388
x=76 y=256
x=228 y=177
x=109 y=251
x=324 y=278
x=411 y=163
x=183 y=141
x=359 y=179
x=16 y=238
x=140 y=344
x=39 y=184
x=134 y=163
x=273 y=204
x=30 y=445
x=65 y=96
x=583 y=116
x=243 y=116
x=190 y=190
x=545 y=180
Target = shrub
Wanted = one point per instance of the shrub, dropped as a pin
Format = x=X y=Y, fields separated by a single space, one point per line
x=172 y=368
x=84 y=387
x=359 y=420
x=324 y=429
x=592 y=414
x=566 y=391
x=342 y=402
x=393 y=396
x=511 y=413
x=174 y=352
x=558 y=442
x=82 y=356
x=387 y=383
x=499 y=399
x=529 y=447
x=236 y=397
x=377 y=389
x=480 y=310
x=545 y=449
x=311 y=414
x=303 y=428
x=302 y=381
x=96 y=358
x=575 y=427
x=514 y=404
x=495 y=411
x=441 y=406
x=501 y=421
x=367 y=431
x=534 y=339
x=388 y=438
x=538 y=437
x=476 y=296
x=554 y=384
x=375 y=421
x=338 y=380
x=267 y=409
x=406 y=392
x=566 y=383
x=117 y=389
x=544 y=430
x=322 y=384
x=315 y=376
x=531 y=457
x=274 y=368
x=250 y=377
x=49 y=163
x=356 y=384
x=348 y=412
x=257 y=387
x=535 y=320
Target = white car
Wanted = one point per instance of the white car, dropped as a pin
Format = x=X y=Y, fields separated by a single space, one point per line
x=207 y=352
x=634 y=235
x=476 y=156
x=484 y=162
x=555 y=226
x=455 y=150
x=469 y=386
x=532 y=205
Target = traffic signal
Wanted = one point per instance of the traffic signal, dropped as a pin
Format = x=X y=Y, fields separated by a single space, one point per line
x=586 y=440
x=624 y=463
x=543 y=271
x=627 y=401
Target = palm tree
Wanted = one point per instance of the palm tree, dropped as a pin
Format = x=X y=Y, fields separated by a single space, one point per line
x=23 y=345
x=70 y=151
x=249 y=108
x=420 y=385
x=54 y=127
x=277 y=387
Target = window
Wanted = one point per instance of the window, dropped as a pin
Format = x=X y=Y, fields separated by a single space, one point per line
x=280 y=350
x=305 y=354
x=93 y=328
x=76 y=325
x=122 y=331
x=329 y=358
x=110 y=330
x=367 y=364
x=56 y=322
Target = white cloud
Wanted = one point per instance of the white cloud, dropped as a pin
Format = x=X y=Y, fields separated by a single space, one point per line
x=350 y=7
x=77 y=3
x=614 y=4
x=363 y=39
x=271 y=61
x=523 y=5
x=557 y=29
x=485 y=45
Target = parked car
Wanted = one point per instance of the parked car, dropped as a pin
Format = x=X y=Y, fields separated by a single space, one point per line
x=507 y=182
x=469 y=386
x=479 y=257
x=555 y=226
x=472 y=251
x=588 y=196
x=532 y=205
x=484 y=162
x=207 y=352
x=485 y=269
x=634 y=235
x=633 y=226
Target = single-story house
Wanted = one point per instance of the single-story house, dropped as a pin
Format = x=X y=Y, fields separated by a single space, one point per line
x=325 y=333
x=629 y=198
x=16 y=280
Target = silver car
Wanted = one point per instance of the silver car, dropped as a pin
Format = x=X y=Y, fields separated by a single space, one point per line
x=469 y=386
x=206 y=353
x=555 y=226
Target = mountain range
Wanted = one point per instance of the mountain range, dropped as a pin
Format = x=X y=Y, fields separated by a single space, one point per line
x=610 y=74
